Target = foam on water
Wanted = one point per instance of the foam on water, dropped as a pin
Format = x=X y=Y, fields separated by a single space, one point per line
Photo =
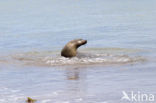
x=9 y=96
x=93 y=59
x=85 y=57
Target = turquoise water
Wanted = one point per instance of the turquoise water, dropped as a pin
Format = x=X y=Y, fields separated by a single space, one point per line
x=119 y=56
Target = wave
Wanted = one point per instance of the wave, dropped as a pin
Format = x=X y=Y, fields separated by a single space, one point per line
x=85 y=57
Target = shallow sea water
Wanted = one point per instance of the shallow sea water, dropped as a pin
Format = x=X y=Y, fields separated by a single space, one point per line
x=119 y=56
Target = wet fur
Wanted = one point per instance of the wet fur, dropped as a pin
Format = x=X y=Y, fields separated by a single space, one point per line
x=70 y=49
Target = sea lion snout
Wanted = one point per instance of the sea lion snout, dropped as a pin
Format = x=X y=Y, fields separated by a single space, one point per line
x=84 y=42
x=70 y=49
x=81 y=42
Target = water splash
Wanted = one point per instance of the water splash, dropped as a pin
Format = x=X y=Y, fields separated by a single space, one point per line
x=92 y=59
x=90 y=56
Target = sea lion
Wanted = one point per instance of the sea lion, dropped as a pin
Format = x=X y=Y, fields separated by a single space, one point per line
x=70 y=49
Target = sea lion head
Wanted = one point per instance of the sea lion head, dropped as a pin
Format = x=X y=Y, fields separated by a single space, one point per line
x=79 y=42
x=70 y=49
